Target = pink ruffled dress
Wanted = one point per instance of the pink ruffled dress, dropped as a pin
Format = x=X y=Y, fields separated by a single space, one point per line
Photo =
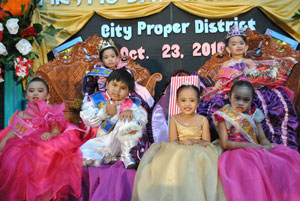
x=34 y=169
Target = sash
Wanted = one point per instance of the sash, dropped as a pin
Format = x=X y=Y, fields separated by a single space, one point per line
x=240 y=122
x=19 y=127
x=97 y=71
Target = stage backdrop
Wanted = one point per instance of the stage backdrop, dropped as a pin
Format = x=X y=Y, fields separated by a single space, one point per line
x=172 y=39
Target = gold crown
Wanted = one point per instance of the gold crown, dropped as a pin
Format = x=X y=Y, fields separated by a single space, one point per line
x=105 y=44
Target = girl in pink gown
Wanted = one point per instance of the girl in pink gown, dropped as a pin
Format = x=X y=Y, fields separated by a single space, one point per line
x=40 y=156
x=252 y=168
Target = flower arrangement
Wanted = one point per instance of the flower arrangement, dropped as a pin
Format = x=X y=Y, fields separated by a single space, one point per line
x=17 y=35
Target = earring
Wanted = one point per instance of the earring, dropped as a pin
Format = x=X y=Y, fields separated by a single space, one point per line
x=229 y=54
x=245 y=53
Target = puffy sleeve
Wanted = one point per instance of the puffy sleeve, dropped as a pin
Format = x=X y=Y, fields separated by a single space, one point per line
x=91 y=115
x=258 y=116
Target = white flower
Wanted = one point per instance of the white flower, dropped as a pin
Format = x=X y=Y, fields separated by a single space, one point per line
x=3 y=50
x=1 y=27
x=12 y=25
x=24 y=47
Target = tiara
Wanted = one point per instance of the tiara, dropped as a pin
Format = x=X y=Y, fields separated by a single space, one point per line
x=235 y=30
x=105 y=44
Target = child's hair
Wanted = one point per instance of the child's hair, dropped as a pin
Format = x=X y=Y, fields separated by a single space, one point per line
x=242 y=83
x=38 y=79
x=186 y=86
x=102 y=51
x=242 y=36
x=122 y=75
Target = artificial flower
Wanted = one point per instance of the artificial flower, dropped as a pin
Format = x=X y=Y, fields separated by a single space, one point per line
x=1 y=27
x=3 y=50
x=22 y=66
x=12 y=25
x=15 y=6
x=24 y=47
x=29 y=31
x=1 y=36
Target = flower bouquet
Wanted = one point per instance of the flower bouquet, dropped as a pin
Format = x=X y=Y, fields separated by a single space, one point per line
x=17 y=35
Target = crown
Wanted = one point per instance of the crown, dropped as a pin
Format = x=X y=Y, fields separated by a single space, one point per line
x=105 y=44
x=235 y=30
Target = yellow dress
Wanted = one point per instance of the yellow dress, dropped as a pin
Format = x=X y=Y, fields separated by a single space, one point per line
x=174 y=172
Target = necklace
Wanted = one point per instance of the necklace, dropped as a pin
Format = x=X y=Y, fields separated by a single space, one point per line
x=189 y=123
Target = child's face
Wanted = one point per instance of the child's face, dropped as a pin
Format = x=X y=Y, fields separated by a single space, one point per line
x=241 y=98
x=36 y=91
x=237 y=46
x=109 y=58
x=117 y=90
x=187 y=101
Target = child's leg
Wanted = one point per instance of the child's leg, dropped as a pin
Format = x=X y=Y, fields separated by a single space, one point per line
x=127 y=142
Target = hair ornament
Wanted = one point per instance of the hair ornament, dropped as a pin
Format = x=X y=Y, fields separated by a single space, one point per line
x=187 y=83
x=105 y=44
x=235 y=30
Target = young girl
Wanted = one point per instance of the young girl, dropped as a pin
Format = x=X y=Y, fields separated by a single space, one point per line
x=40 y=158
x=186 y=167
x=95 y=80
x=118 y=119
x=280 y=125
x=251 y=168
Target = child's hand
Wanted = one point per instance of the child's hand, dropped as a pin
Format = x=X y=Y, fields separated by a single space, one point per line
x=267 y=147
x=126 y=115
x=46 y=136
x=203 y=143
x=218 y=84
x=186 y=142
x=111 y=109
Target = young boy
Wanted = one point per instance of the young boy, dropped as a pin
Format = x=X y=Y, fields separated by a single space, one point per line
x=118 y=119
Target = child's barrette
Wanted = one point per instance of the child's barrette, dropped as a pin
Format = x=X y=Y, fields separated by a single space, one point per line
x=235 y=30
x=105 y=44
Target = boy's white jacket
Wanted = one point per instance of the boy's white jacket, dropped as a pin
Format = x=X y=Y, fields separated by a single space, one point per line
x=93 y=117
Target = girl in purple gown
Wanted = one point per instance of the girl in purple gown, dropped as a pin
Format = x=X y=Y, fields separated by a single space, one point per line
x=280 y=123
x=252 y=168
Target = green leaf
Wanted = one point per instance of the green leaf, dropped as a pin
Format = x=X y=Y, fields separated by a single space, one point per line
x=39 y=39
x=38 y=27
x=22 y=8
x=29 y=38
x=31 y=55
x=296 y=16
x=31 y=72
x=51 y=31
x=4 y=1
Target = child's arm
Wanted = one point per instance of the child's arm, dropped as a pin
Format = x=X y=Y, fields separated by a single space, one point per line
x=228 y=144
x=262 y=138
x=9 y=135
x=54 y=132
x=205 y=134
x=173 y=137
x=93 y=116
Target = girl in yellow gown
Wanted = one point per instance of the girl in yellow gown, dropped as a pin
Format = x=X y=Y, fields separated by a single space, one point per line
x=186 y=168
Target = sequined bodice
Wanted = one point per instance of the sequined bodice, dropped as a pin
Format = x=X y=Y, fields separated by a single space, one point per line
x=185 y=132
